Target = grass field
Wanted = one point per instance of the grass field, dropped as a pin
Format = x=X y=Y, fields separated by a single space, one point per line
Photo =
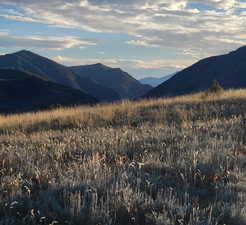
x=175 y=161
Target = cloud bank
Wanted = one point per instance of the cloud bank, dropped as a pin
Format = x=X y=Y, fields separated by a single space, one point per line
x=124 y=63
x=215 y=27
x=43 y=42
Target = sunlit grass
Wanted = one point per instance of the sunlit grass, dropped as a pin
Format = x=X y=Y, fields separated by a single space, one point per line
x=107 y=111
x=166 y=161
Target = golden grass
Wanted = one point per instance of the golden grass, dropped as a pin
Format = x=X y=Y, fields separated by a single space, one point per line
x=107 y=111
x=166 y=161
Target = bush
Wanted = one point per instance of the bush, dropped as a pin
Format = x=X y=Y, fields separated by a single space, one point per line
x=216 y=87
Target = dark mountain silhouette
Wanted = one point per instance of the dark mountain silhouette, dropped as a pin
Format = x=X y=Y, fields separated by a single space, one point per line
x=121 y=82
x=21 y=92
x=155 y=81
x=55 y=72
x=99 y=91
x=229 y=70
x=46 y=68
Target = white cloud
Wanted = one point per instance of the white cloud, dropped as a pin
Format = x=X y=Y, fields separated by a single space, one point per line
x=101 y=53
x=221 y=4
x=177 y=64
x=141 y=43
x=69 y=61
x=154 y=23
x=43 y=42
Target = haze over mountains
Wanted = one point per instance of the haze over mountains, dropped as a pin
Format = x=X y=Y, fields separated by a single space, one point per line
x=124 y=86
x=229 y=70
x=155 y=81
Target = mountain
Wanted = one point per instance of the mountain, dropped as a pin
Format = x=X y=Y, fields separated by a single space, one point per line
x=155 y=81
x=48 y=69
x=121 y=82
x=21 y=92
x=100 y=92
x=229 y=70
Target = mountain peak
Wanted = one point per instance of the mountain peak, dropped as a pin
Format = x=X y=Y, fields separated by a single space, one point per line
x=100 y=65
x=23 y=52
x=26 y=53
x=115 y=78
x=96 y=66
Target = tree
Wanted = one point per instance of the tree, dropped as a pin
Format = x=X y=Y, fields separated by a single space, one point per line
x=216 y=88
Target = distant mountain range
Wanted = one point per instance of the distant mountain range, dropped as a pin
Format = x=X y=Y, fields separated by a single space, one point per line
x=229 y=70
x=48 y=69
x=21 y=91
x=31 y=82
x=155 y=81
x=121 y=82
x=99 y=81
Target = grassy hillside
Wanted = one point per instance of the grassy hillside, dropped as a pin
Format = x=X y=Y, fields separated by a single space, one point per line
x=177 y=161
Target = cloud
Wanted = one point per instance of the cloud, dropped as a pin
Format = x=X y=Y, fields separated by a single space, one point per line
x=154 y=23
x=220 y=4
x=86 y=61
x=176 y=64
x=169 y=4
x=43 y=42
x=141 y=43
x=137 y=67
x=101 y=53
x=18 y=17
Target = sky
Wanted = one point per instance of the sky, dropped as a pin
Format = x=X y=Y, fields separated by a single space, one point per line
x=143 y=37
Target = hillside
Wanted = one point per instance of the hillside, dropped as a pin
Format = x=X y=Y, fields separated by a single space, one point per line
x=173 y=161
x=121 y=82
x=21 y=91
x=229 y=70
x=100 y=92
x=48 y=69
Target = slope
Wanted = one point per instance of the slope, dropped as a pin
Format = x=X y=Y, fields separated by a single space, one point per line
x=229 y=70
x=121 y=82
x=48 y=69
x=21 y=91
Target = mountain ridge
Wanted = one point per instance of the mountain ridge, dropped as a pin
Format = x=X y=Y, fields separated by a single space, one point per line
x=228 y=69
x=46 y=68
x=115 y=78
x=22 y=92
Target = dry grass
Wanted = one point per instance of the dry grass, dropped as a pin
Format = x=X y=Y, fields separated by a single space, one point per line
x=176 y=161
x=76 y=116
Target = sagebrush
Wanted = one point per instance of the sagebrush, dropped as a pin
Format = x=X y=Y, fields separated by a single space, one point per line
x=153 y=162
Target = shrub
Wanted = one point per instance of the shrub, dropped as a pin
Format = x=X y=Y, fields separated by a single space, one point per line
x=215 y=90
x=216 y=87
